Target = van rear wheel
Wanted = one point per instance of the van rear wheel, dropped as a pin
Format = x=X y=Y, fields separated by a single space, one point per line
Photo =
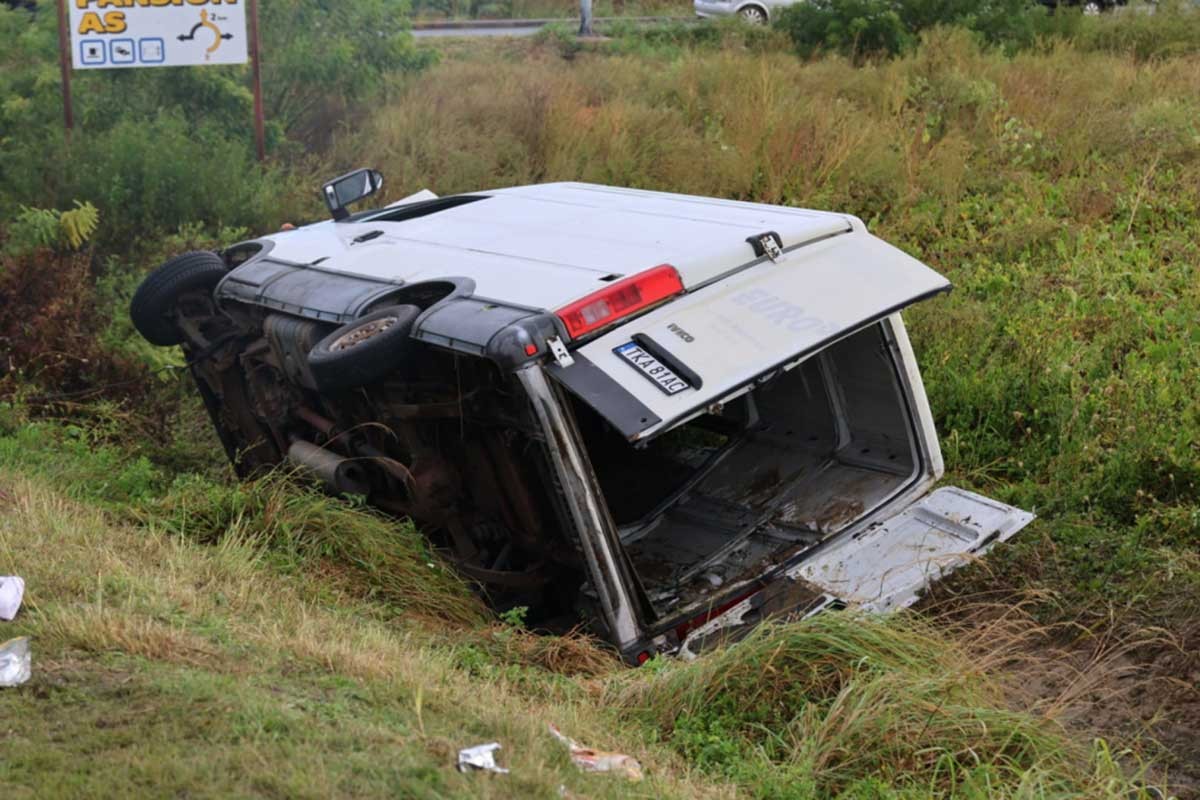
x=363 y=351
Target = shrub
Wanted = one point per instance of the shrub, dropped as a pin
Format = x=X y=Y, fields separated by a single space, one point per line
x=36 y=228
x=1173 y=29
x=875 y=28
x=49 y=325
x=142 y=175
x=1004 y=22
x=136 y=160
x=855 y=28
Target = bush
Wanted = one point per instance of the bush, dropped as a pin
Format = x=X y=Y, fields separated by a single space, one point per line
x=1015 y=23
x=855 y=28
x=883 y=28
x=49 y=325
x=1173 y=29
x=141 y=135
x=143 y=175
x=50 y=228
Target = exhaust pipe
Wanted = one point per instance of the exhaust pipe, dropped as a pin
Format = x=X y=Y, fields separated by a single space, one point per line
x=340 y=474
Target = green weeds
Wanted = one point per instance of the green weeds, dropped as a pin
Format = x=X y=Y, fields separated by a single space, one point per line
x=849 y=706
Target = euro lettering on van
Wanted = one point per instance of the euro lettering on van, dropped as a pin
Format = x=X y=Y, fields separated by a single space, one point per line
x=783 y=313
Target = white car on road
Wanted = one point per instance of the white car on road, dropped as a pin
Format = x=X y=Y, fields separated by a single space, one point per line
x=758 y=12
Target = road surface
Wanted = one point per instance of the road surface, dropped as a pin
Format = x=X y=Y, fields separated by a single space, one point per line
x=517 y=27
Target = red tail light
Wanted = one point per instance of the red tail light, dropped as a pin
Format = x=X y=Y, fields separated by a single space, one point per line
x=620 y=299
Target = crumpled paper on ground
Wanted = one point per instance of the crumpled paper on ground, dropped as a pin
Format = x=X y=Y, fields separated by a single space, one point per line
x=590 y=760
x=481 y=756
x=15 y=661
x=12 y=589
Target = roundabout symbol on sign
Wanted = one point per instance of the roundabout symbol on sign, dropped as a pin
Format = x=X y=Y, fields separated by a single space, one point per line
x=206 y=23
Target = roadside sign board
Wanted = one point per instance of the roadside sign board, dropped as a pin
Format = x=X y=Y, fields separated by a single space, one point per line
x=120 y=34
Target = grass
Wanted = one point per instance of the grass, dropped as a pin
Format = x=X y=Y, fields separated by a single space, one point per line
x=845 y=706
x=167 y=666
x=196 y=637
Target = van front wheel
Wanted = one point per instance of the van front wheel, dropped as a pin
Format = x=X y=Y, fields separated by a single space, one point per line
x=153 y=305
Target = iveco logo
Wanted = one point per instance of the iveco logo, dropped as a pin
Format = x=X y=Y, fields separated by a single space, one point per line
x=680 y=332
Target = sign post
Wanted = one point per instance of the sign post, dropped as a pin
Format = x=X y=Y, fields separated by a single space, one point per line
x=122 y=34
x=64 y=64
x=260 y=144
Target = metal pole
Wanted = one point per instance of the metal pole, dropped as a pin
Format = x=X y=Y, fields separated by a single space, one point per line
x=256 y=77
x=585 y=18
x=64 y=61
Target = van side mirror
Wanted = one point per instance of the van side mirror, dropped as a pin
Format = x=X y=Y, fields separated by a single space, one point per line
x=350 y=188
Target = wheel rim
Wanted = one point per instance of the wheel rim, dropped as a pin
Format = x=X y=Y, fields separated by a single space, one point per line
x=753 y=15
x=362 y=333
x=1091 y=9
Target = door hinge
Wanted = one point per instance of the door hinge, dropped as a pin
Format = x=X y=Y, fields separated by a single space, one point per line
x=767 y=244
x=559 y=351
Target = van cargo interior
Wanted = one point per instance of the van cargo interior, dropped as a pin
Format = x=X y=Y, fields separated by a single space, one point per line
x=722 y=497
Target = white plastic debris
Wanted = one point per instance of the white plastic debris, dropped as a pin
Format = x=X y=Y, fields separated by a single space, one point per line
x=15 y=663
x=590 y=760
x=481 y=756
x=12 y=589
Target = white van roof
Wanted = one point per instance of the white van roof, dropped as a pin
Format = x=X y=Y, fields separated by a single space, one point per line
x=504 y=261
x=547 y=245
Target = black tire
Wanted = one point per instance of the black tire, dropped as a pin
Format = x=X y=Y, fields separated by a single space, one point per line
x=156 y=298
x=363 y=351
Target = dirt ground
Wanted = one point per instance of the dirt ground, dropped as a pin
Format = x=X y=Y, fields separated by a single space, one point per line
x=1138 y=688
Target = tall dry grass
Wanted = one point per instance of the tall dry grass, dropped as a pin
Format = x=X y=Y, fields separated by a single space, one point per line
x=767 y=127
x=845 y=705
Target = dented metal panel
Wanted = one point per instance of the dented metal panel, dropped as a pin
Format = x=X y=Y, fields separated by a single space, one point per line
x=888 y=564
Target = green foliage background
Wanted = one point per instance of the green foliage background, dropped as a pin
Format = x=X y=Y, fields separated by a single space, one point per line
x=1050 y=166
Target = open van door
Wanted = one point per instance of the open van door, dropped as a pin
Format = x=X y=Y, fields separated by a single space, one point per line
x=882 y=567
x=886 y=565
x=714 y=342
x=742 y=332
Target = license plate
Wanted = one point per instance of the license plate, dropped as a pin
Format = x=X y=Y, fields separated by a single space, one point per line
x=654 y=370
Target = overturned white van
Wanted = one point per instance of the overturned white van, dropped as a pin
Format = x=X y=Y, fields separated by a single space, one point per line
x=669 y=417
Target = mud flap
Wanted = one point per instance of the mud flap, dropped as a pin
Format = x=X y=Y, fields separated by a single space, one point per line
x=888 y=564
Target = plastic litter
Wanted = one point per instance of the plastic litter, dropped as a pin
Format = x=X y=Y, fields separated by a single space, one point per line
x=12 y=589
x=590 y=760
x=15 y=662
x=481 y=756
